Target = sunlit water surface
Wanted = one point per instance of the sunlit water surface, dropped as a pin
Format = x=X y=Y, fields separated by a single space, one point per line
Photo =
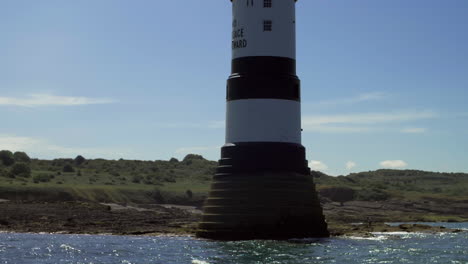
x=383 y=248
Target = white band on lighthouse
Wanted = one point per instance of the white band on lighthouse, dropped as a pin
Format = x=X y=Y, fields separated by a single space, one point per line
x=263 y=31
x=263 y=120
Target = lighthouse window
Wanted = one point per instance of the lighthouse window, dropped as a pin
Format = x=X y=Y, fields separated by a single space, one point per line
x=267 y=3
x=267 y=25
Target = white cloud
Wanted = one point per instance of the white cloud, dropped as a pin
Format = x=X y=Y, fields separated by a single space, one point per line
x=44 y=149
x=336 y=129
x=350 y=165
x=14 y=143
x=353 y=100
x=360 y=122
x=393 y=164
x=210 y=124
x=37 y=100
x=318 y=165
x=414 y=130
x=369 y=118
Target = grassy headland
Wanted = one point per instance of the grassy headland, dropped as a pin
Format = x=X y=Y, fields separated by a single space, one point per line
x=382 y=195
x=189 y=180
x=99 y=180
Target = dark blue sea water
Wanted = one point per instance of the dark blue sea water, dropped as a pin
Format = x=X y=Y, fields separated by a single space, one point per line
x=87 y=249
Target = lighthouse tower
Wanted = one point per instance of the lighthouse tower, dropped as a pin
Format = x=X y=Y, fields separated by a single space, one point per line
x=262 y=188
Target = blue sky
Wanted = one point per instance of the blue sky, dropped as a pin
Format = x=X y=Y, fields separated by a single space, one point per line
x=384 y=83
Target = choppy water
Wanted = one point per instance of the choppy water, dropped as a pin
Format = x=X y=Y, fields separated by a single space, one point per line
x=384 y=248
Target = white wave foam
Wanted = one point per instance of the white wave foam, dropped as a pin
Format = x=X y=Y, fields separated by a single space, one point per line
x=394 y=233
x=377 y=238
x=196 y=261
x=69 y=248
x=399 y=234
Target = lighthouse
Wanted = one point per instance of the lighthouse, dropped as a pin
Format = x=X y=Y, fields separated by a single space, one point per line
x=262 y=188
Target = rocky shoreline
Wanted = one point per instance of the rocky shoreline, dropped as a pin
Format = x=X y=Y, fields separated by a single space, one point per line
x=397 y=211
x=94 y=218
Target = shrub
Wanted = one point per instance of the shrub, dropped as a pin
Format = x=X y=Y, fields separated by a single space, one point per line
x=68 y=168
x=61 y=162
x=173 y=160
x=372 y=195
x=338 y=194
x=191 y=157
x=189 y=194
x=317 y=174
x=79 y=160
x=148 y=182
x=21 y=157
x=3 y=172
x=6 y=157
x=20 y=170
x=165 y=178
x=136 y=179
x=42 y=178
x=157 y=196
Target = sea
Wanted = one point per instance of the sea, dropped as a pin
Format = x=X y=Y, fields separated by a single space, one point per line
x=396 y=247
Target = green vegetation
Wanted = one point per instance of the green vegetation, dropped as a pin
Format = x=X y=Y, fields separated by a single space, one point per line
x=188 y=181
x=43 y=177
x=68 y=168
x=399 y=184
x=6 y=157
x=21 y=157
x=338 y=194
x=79 y=160
x=20 y=170
x=102 y=180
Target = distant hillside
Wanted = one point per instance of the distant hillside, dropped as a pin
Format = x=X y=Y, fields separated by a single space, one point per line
x=188 y=181
x=105 y=180
x=399 y=184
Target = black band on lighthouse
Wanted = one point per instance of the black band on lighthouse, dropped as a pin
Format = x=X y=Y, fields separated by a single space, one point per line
x=263 y=156
x=256 y=87
x=263 y=77
x=263 y=65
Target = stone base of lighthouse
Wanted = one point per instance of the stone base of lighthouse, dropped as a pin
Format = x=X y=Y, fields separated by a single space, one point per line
x=267 y=201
